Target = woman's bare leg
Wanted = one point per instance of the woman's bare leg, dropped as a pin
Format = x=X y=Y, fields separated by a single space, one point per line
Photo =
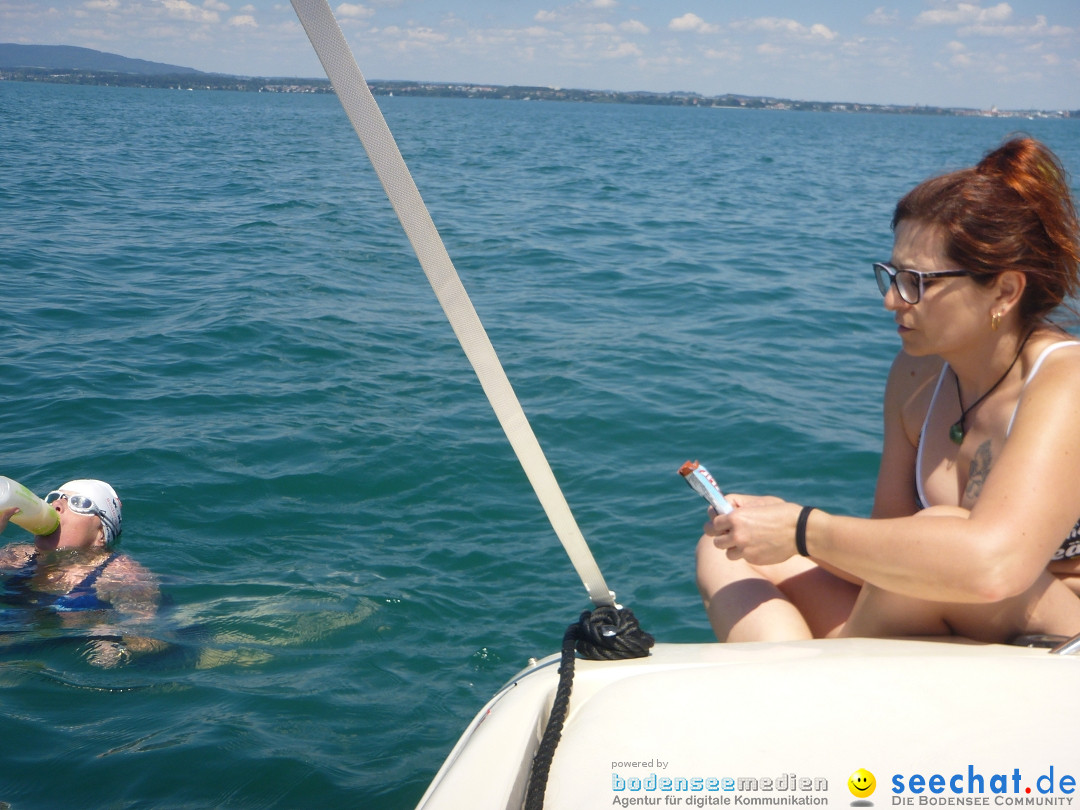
x=1048 y=606
x=792 y=600
x=881 y=614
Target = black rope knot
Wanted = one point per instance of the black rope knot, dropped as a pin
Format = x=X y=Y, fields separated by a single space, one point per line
x=611 y=633
x=606 y=633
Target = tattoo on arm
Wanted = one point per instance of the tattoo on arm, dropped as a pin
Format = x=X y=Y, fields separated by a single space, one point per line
x=980 y=468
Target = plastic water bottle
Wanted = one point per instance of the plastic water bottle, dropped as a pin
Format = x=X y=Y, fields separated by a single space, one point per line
x=34 y=514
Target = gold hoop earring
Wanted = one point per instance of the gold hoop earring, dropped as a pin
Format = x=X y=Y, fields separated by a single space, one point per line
x=995 y=321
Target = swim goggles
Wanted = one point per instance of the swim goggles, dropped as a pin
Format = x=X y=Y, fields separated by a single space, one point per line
x=76 y=503
x=909 y=283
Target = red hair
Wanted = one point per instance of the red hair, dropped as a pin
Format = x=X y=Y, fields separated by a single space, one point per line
x=1012 y=211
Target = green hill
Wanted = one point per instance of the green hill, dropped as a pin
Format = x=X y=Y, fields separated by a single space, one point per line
x=68 y=57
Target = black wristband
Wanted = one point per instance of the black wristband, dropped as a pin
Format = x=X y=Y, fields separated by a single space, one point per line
x=800 y=531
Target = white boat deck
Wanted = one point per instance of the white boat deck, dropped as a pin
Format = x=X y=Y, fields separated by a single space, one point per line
x=695 y=725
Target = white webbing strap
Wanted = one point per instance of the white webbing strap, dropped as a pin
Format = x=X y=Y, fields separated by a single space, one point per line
x=351 y=88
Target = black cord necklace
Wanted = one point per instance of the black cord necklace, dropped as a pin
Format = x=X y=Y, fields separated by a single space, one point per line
x=957 y=431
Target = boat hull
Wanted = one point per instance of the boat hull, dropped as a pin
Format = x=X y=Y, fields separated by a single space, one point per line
x=935 y=722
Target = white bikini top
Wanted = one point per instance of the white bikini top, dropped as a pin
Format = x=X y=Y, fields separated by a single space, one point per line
x=923 y=502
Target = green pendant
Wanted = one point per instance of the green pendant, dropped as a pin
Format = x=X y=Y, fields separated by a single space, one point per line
x=956 y=432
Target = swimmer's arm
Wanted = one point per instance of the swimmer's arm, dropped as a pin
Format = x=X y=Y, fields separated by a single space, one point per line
x=141 y=603
x=130 y=588
x=15 y=555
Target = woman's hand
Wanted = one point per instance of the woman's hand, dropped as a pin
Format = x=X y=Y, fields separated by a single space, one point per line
x=760 y=530
x=737 y=500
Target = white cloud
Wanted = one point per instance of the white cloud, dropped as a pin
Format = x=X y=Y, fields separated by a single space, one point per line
x=691 y=22
x=623 y=50
x=354 y=11
x=604 y=3
x=537 y=32
x=1039 y=28
x=783 y=25
x=102 y=5
x=426 y=36
x=881 y=16
x=965 y=14
x=770 y=24
x=215 y=5
x=634 y=27
x=243 y=21
x=183 y=10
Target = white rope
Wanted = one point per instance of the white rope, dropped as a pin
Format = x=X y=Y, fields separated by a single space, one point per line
x=351 y=88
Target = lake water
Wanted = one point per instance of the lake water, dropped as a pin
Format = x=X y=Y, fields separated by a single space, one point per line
x=207 y=300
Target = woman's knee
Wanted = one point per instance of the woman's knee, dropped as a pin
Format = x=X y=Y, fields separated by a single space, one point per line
x=713 y=568
x=705 y=547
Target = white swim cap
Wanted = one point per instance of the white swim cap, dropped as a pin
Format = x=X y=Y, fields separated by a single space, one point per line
x=105 y=500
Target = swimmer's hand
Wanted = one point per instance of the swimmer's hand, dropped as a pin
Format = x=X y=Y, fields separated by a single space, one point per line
x=6 y=515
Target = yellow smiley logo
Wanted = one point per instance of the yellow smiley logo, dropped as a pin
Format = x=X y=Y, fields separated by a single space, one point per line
x=861 y=783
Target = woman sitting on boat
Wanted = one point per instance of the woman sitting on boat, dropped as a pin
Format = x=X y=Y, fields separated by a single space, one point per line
x=77 y=567
x=974 y=524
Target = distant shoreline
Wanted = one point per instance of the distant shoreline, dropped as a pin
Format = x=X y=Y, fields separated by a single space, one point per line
x=211 y=81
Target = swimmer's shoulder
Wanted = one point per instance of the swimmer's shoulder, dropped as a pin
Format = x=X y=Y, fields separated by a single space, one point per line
x=16 y=555
x=123 y=567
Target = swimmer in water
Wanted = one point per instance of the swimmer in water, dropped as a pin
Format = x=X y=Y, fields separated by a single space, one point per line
x=77 y=570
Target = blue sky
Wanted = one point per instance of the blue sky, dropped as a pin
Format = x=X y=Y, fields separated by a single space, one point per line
x=1022 y=54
